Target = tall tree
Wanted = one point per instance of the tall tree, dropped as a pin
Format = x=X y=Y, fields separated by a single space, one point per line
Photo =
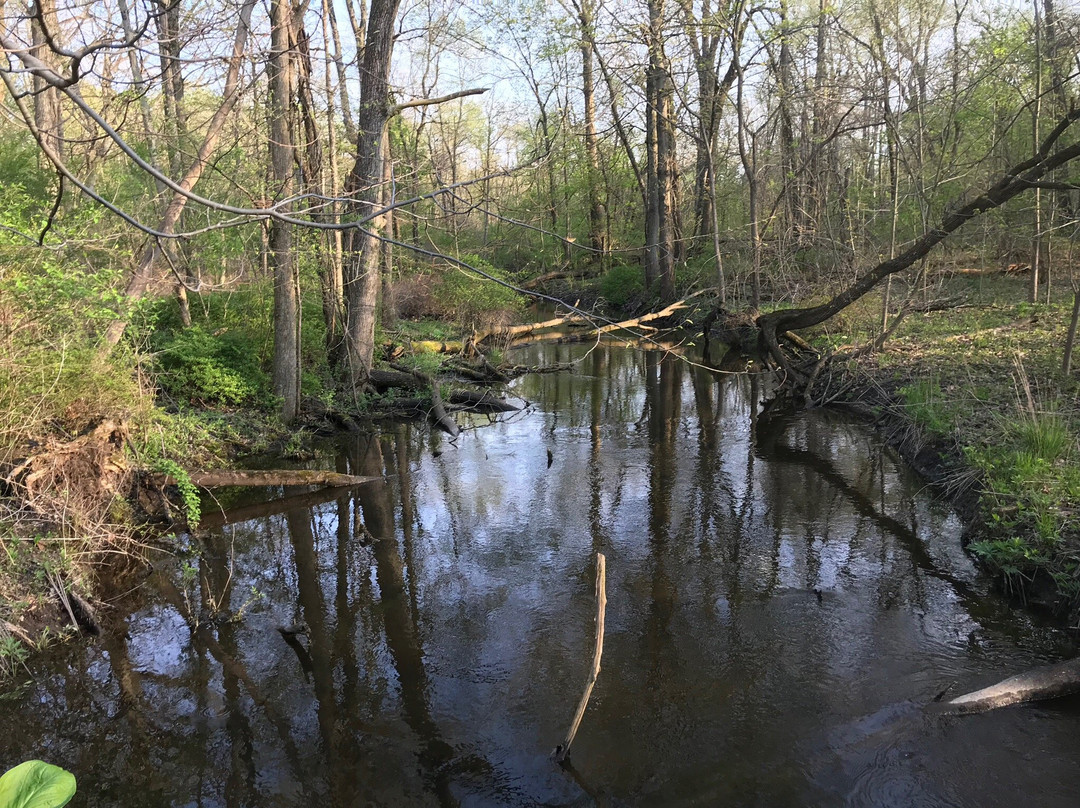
x=598 y=234
x=282 y=80
x=48 y=115
x=661 y=173
x=361 y=271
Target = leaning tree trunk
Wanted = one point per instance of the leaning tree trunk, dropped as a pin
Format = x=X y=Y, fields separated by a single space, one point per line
x=1021 y=177
x=141 y=277
x=361 y=271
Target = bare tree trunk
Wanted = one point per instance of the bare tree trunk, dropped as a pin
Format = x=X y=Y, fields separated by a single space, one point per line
x=1036 y=110
x=48 y=115
x=660 y=175
x=388 y=307
x=598 y=236
x=789 y=161
x=1070 y=339
x=135 y=63
x=333 y=302
x=286 y=375
x=329 y=17
x=748 y=157
x=361 y=275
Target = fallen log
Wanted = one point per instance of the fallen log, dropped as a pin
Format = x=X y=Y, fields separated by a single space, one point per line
x=517 y=332
x=267 y=477
x=435 y=346
x=485 y=401
x=386 y=379
x=1038 y=684
x=438 y=410
x=540 y=280
x=512 y=332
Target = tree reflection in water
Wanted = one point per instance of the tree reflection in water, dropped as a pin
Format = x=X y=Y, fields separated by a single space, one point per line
x=446 y=617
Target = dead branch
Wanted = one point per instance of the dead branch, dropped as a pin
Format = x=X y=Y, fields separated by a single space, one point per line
x=562 y=751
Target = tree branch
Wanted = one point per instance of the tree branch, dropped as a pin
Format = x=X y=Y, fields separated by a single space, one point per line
x=427 y=102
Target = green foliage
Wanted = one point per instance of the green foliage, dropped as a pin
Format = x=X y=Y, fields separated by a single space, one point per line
x=189 y=494
x=222 y=368
x=36 y=784
x=1012 y=557
x=12 y=654
x=474 y=301
x=1044 y=436
x=925 y=406
x=622 y=284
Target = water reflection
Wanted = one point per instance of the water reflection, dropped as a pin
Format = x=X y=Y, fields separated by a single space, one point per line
x=783 y=597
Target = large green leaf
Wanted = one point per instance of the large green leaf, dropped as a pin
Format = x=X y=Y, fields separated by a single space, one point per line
x=36 y=784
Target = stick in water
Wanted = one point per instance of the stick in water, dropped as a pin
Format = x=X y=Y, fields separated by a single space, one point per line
x=562 y=751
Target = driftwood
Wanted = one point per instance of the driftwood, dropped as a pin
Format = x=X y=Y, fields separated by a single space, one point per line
x=512 y=332
x=562 y=751
x=282 y=477
x=485 y=401
x=1038 y=684
x=539 y=281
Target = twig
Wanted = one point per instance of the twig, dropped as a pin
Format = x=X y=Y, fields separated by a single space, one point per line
x=562 y=751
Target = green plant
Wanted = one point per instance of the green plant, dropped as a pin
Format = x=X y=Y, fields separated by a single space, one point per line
x=622 y=284
x=36 y=784
x=1045 y=435
x=189 y=494
x=12 y=654
x=213 y=368
x=925 y=406
x=476 y=301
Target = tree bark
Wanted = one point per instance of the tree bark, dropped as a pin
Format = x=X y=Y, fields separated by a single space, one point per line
x=361 y=272
x=598 y=236
x=48 y=115
x=660 y=163
x=286 y=365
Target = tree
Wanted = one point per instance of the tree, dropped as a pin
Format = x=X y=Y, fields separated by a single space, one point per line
x=364 y=187
x=280 y=69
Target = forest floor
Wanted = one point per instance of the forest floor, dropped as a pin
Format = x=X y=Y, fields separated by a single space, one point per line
x=974 y=397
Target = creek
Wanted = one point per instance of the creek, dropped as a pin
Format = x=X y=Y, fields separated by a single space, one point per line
x=784 y=600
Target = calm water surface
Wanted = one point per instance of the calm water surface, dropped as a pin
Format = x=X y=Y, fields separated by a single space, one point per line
x=784 y=599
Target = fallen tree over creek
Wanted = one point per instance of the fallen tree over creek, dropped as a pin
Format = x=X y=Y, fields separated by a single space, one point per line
x=766 y=332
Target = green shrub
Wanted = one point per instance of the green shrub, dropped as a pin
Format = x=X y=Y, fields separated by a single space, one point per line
x=926 y=407
x=213 y=368
x=622 y=284
x=476 y=302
